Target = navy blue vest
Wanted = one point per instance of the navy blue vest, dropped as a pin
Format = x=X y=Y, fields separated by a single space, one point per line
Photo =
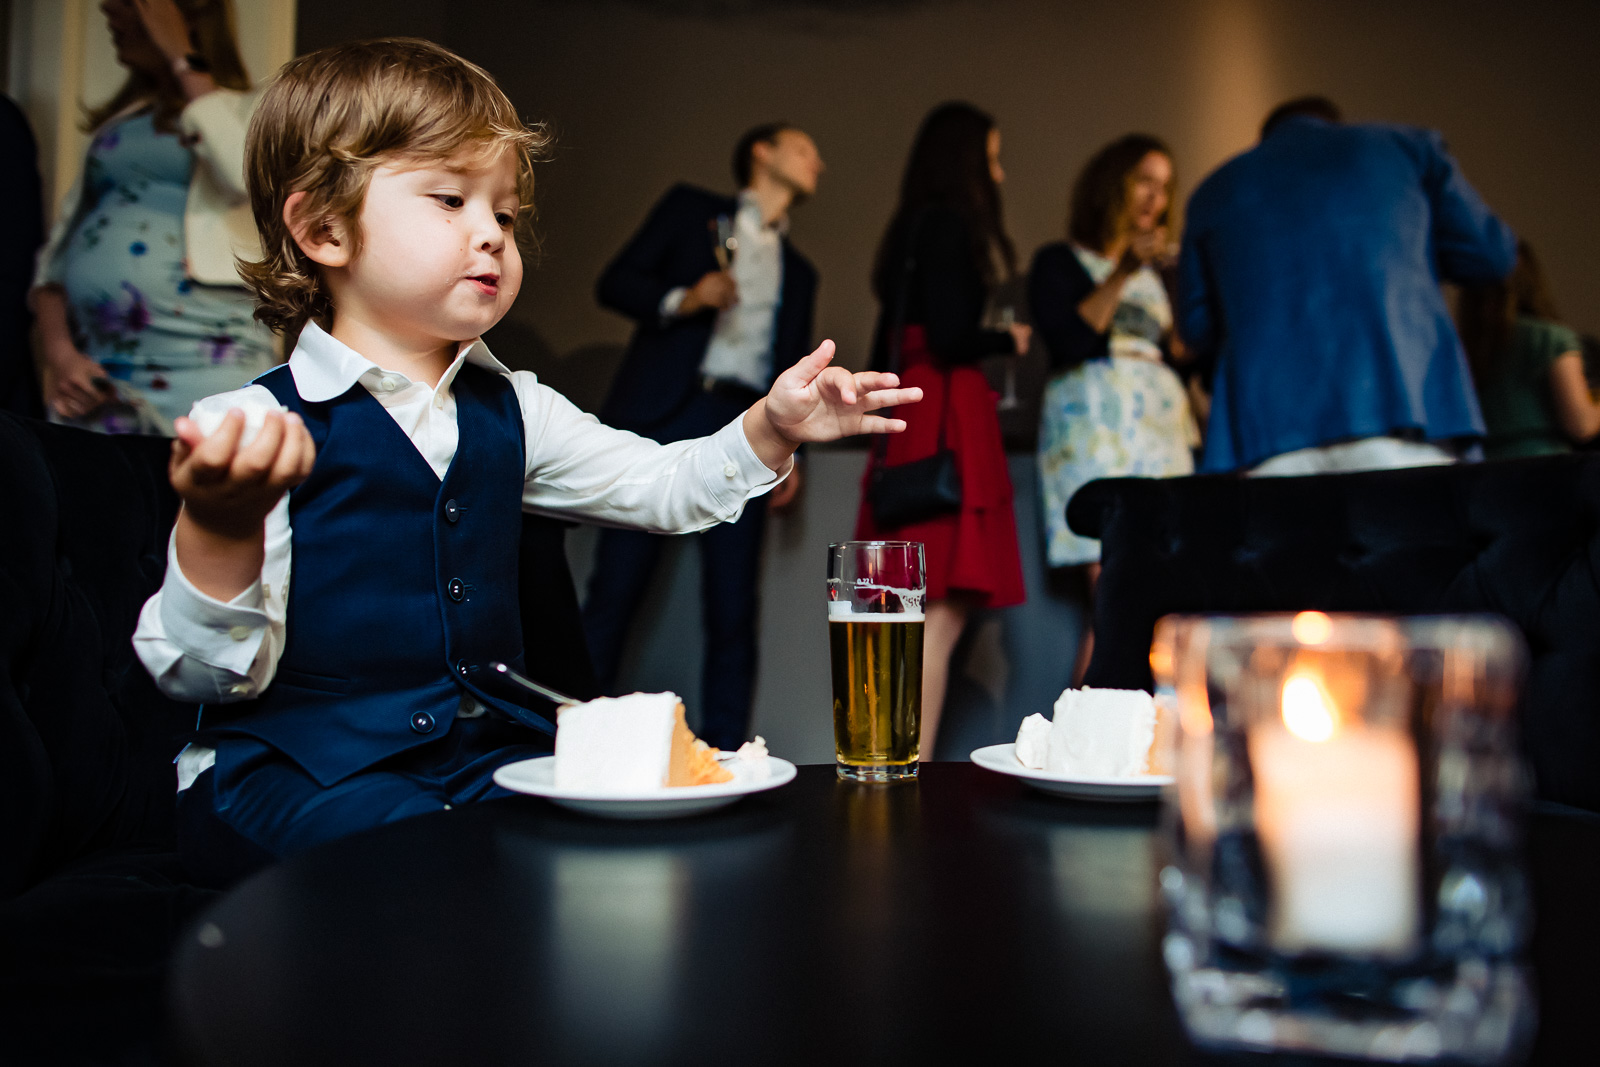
x=402 y=588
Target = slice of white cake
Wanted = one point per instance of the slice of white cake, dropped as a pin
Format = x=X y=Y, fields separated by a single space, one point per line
x=617 y=744
x=1102 y=733
x=633 y=744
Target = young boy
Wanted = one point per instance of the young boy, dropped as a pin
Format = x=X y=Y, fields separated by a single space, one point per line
x=343 y=568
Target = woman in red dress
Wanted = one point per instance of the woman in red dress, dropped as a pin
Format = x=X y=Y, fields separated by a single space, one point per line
x=943 y=253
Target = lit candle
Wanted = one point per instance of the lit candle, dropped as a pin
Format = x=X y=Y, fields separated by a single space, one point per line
x=1337 y=814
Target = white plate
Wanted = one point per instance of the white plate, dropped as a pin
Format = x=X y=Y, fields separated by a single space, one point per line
x=1003 y=758
x=537 y=777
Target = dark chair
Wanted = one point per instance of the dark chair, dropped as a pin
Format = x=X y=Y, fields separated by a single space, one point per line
x=91 y=890
x=1517 y=538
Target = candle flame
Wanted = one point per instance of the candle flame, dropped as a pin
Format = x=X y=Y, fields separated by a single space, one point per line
x=1307 y=711
x=1311 y=627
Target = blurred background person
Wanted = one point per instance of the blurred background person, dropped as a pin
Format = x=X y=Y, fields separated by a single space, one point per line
x=1310 y=271
x=1115 y=407
x=21 y=232
x=140 y=309
x=1528 y=367
x=723 y=303
x=942 y=255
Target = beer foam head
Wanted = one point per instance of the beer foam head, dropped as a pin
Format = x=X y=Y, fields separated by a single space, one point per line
x=840 y=611
x=848 y=595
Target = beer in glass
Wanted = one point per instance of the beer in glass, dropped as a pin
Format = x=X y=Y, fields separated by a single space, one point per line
x=875 y=621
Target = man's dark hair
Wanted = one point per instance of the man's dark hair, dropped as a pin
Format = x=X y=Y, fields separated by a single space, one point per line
x=1319 y=107
x=744 y=152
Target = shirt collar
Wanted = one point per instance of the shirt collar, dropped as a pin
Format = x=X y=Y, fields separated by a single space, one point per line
x=747 y=203
x=324 y=368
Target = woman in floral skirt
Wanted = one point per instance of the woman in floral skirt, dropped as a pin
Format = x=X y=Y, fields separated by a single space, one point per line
x=1115 y=406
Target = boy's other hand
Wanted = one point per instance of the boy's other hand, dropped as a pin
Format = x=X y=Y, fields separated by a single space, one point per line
x=228 y=488
x=812 y=401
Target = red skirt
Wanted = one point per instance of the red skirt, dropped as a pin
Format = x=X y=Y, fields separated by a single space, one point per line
x=975 y=550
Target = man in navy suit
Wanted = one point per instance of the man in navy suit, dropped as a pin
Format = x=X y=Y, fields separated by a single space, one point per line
x=723 y=303
x=1310 y=273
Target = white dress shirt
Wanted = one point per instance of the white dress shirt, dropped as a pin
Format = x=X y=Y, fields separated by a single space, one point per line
x=741 y=340
x=203 y=650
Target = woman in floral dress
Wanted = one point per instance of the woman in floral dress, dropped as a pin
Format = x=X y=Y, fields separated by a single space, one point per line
x=140 y=309
x=1115 y=407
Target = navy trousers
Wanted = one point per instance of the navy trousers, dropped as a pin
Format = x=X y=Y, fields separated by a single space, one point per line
x=256 y=805
x=730 y=568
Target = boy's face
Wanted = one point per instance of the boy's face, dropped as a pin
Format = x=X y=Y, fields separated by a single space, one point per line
x=438 y=261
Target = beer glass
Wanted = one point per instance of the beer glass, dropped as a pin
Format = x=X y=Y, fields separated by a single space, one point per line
x=875 y=591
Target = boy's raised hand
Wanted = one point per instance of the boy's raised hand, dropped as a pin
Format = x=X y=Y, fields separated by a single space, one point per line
x=228 y=489
x=812 y=401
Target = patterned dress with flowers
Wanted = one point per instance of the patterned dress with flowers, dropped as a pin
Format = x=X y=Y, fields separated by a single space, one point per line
x=1123 y=414
x=164 y=339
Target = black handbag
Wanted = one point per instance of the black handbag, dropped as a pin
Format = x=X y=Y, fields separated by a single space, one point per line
x=926 y=488
x=914 y=492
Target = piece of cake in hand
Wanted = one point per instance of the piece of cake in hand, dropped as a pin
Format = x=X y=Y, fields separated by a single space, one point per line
x=632 y=744
x=1097 y=733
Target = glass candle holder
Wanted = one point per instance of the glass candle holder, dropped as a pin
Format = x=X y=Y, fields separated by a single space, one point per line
x=1344 y=874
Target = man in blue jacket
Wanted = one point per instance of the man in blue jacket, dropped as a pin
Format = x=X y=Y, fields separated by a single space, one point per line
x=723 y=302
x=1310 y=273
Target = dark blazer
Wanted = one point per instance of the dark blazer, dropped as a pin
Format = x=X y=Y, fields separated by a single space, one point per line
x=1057 y=284
x=676 y=247
x=1310 y=269
x=945 y=293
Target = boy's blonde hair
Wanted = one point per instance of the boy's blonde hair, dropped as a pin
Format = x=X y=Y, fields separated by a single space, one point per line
x=330 y=118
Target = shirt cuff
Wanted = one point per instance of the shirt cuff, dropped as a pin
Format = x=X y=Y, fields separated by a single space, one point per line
x=225 y=635
x=672 y=302
x=736 y=473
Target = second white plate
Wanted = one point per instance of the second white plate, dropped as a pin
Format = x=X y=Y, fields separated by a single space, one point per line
x=537 y=777
x=1003 y=759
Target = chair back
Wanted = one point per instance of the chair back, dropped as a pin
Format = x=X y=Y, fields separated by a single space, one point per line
x=86 y=739
x=1517 y=538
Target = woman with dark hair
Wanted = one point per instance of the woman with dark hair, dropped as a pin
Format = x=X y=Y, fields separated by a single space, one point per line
x=943 y=253
x=1528 y=367
x=1115 y=407
x=141 y=311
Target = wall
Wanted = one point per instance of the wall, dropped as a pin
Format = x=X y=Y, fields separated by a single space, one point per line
x=644 y=94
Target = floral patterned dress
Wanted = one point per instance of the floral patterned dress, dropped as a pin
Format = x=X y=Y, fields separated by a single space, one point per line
x=1121 y=415
x=164 y=339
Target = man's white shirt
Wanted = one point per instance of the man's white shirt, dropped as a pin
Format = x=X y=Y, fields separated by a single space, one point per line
x=203 y=650
x=740 y=349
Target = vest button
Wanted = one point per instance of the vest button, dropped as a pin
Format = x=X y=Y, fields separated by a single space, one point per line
x=463 y=667
x=452 y=510
x=422 y=722
x=456 y=588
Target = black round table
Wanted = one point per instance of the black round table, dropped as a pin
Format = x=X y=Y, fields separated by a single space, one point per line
x=963 y=916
